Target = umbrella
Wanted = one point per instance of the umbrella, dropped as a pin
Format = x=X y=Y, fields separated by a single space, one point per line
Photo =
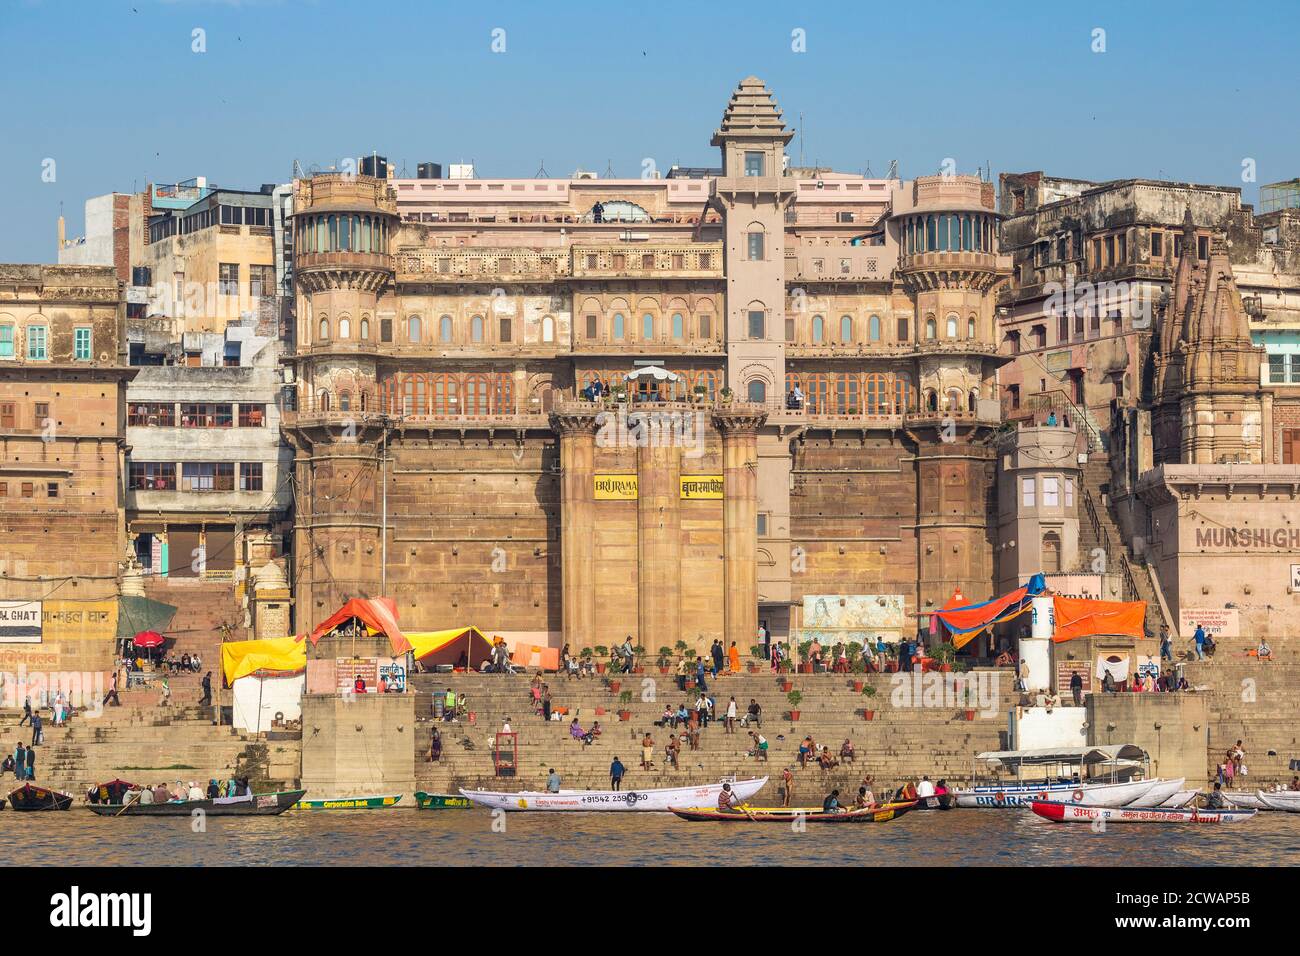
x=147 y=639
x=657 y=372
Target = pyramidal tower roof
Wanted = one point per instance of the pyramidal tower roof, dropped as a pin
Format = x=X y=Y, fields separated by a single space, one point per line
x=752 y=111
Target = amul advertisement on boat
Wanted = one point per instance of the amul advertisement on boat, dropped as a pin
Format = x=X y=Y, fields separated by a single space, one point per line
x=20 y=622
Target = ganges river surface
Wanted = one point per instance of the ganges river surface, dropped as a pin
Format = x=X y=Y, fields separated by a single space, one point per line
x=475 y=838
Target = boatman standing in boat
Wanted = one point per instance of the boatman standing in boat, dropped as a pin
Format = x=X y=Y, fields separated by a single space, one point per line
x=726 y=799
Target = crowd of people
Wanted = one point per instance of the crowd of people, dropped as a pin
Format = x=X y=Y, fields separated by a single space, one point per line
x=177 y=793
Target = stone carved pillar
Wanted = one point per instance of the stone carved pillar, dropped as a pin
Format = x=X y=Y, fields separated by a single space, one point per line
x=576 y=424
x=739 y=425
x=659 y=598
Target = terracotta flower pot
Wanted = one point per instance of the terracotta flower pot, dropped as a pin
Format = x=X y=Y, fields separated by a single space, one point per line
x=614 y=686
x=600 y=711
x=868 y=715
x=625 y=715
x=785 y=686
x=970 y=715
x=600 y=668
x=663 y=670
x=857 y=686
x=794 y=715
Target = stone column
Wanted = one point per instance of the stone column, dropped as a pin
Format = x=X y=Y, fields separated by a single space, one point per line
x=739 y=426
x=659 y=525
x=576 y=424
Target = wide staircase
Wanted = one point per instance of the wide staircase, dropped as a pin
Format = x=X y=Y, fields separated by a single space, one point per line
x=142 y=743
x=205 y=611
x=900 y=743
x=1252 y=701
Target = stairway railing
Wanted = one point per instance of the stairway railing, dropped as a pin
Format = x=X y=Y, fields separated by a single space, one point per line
x=1115 y=556
x=1056 y=400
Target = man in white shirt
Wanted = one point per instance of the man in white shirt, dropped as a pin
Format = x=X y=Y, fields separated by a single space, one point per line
x=925 y=788
x=505 y=728
x=731 y=716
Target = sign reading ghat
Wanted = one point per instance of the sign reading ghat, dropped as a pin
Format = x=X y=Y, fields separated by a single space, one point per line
x=1218 y=622
x=20 y=622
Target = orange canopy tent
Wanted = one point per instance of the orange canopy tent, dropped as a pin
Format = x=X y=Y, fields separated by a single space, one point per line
x=378 y=614
x=1083 y=617
x=448 y=646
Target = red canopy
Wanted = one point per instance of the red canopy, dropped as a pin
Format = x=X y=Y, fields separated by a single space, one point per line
x=379 y=614
x=148 y=639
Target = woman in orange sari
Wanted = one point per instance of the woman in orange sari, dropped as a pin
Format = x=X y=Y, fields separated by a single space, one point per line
x=733 y=658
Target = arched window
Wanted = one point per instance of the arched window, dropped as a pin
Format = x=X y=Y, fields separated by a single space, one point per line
x=345 y=400
x=679 y=327
x=544 y=396
x=847 y=400
x=792 y=380
x=902 y=395
x=334 y=233
x=952 y=326
x=477 y=395
x=1051 y=553
x=548 y=329
x=323 y=400
x=444 y=394
x=819 y=391
x=324 y=329
x=503 y=394
x=973 y=401
x=413 y=328
x=618 y=325
x=345 y=332
x=873 y=328
x=710 y=382
x=931 y=329
x=818 y=329
x=476 y=329
x=648 y=327
x=931 y=400
x=930 y=240
x=757 y=390
x=846 y=328
x=954 y=401
x=365 y=337
x=970 y=327
x=444 y=329
x=322 y=235
x=877 y=394
x=345 y=234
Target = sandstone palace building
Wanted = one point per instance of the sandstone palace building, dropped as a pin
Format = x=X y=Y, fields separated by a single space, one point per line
x=449 y=453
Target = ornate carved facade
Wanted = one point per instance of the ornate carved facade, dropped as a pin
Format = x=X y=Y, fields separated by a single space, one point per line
x=446 y=455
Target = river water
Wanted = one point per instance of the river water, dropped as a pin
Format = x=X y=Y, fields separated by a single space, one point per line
x=475 y=838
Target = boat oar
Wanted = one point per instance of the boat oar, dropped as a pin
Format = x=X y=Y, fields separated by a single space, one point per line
x=749 y=813
x=124 y=806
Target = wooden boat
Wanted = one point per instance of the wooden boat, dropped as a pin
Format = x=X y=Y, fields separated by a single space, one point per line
x=1094 y=776
x=350 y=803
x=883 y=813
x=938 y=801
x=441 y=801
x=249 y=805
x=31 y=797
x=659 y=800
x=1074 y=813
x=1179 y=800
x=1091 y=794
x=1157 y=795
x=1244 y=799
x=1286 y=800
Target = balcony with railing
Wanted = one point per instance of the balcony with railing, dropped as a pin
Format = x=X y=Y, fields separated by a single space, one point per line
x=481 y=264
x=679 y=260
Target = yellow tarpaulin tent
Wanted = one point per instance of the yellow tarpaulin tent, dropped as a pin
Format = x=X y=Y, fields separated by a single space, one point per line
x=280 y=655
x=446 y=647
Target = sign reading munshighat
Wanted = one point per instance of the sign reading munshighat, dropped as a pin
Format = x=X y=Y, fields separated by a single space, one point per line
x=20 y=622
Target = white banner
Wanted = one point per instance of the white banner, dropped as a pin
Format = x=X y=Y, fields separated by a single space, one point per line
x=20 y=622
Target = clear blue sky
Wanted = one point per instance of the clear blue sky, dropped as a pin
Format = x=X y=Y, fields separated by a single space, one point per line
x=111 y=90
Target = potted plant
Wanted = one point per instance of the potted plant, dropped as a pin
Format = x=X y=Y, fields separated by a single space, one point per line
x=942 y=656
x=868 y=691
x=756 y=652
x=795 y=699
x=600 y=651
x=613 y=685
x=638 y=653
x=625 y=698
x=785 y=684
x=665 y=659
x=726 y=394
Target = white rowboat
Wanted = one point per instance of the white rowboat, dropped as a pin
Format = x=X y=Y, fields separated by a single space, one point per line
x=1022 y=795
x=1072 y=813
x=585 y=801
x=1286 y=800
x=1179 y=800
x=1157 y=795
x=1244 y=800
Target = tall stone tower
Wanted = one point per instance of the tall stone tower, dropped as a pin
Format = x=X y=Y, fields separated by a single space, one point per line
x=752 y=194
x=1209 y=403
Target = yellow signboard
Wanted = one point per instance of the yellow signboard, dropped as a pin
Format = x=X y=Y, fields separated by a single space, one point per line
x=616 y=487
x=701 y=486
